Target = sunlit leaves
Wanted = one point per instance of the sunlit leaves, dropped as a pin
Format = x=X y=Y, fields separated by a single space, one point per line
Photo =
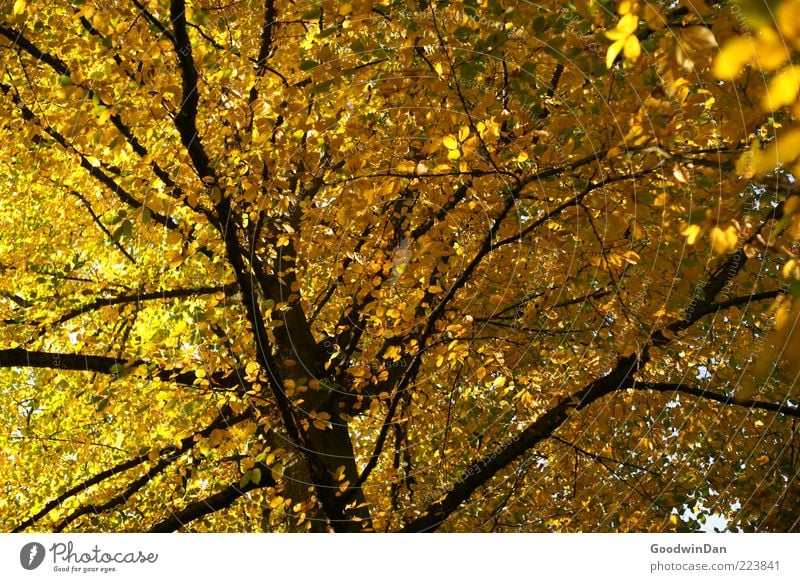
x=624 y=39
x=783 y=89
x=724 y=240
x=448 y=226
x=691 y=233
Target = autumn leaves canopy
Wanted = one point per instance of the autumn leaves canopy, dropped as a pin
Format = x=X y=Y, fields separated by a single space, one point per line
x=398 y=265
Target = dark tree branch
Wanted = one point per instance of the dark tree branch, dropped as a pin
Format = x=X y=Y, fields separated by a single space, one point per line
x=122 y=497
x=265 y=50
x=322 y=479
x=21 y=358
x=223 y=420
x=93 y=171
x=97 y=173
x=217 y=502
x=61 y=68
x=411 y=372
x=542 y=428
x=100 y=225
x=675 y=388
x=697 y=311
x=186 y=118
x=153 y=20
x=574 y=201
x=621 y=377
x=18 y=39
x=229 y=290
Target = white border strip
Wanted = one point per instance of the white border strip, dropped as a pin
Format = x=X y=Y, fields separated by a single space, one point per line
x=407 y=558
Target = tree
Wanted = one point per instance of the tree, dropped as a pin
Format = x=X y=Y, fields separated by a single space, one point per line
x=398 y=266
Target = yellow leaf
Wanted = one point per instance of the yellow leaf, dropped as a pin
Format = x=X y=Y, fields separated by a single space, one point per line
x=174 y=258
x=453 y=155
x=786 y=271
x=251 y=369
x=19 y=6
x=669 y=334
x=626 y=26
x=631 y=256
x=613 y=51
x=787 y=20
x=724 y=241
x=733 y=57
x=450 y=142
x=783 y=89
x=691 y=233
x=632 y=48
x=522 y=157
x=393 y=353
x=772 y=50
x=683 y=59
x=345 y=9
x=215 y=437
x=680 y=174
x=174 y=238
x=785 y=148
x=463 y=133
x=699 y=37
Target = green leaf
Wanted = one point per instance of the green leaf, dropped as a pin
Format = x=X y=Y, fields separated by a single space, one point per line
x=245 y=480
x=358 y=46
x=463 y=33
x=322 y=87
x=312 y=14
